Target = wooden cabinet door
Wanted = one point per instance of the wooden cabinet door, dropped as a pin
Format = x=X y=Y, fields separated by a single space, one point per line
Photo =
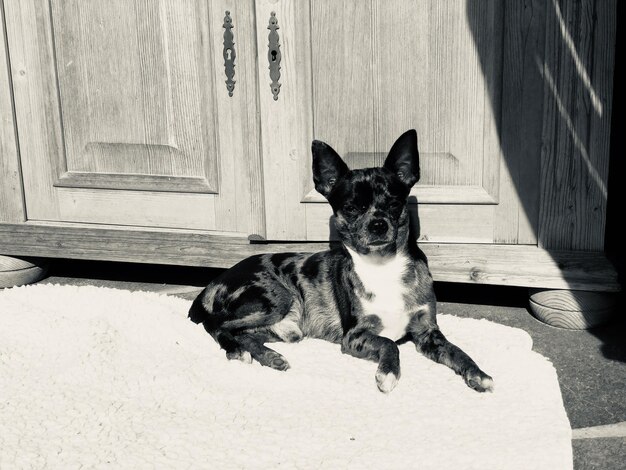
x=124 y=116
x=357 y=74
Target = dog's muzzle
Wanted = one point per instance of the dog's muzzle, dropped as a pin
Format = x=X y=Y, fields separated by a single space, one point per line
x=378 y=227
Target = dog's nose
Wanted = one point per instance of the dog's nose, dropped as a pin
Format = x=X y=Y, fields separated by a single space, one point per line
x=378 y=227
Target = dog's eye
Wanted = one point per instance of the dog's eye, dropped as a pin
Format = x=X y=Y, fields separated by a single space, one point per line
x=395 y=205
x=350 y=209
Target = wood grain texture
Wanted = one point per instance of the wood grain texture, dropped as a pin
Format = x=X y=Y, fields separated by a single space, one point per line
x=376 y=70
x=286 y=123
x=240 y=205
x=118 y=98
x=183 y=184
x=20 y=271
x=132 y=91
x=37 y=112
x=602 y=72
x=573 y=310
x=444 y=223
x=11 y=192
x=577 y=73
x=11 y=263
x=521 y=265
x=380 y=68
x=469 y=263
x=123 y=207
x=342 y=56
x=434 y=195
x=521 y=124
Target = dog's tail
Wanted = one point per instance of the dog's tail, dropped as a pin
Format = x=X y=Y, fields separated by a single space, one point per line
x=200 y=313
x=197 y=312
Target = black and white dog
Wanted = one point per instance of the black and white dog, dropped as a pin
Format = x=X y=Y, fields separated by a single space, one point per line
x=369 y=294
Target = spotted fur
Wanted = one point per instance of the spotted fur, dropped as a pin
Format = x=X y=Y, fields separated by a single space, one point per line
x=368 y=294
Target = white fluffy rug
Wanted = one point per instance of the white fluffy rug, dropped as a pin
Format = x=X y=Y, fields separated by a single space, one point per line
x=105 y=378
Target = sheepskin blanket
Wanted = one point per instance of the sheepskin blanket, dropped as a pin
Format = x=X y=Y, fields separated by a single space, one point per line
x=104 y=378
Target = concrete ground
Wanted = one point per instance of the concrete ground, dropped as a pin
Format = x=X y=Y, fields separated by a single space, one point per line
x=591 y=364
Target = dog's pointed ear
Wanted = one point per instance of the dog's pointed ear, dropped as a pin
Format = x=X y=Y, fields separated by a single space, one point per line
x=328 y=167
x=404 y=159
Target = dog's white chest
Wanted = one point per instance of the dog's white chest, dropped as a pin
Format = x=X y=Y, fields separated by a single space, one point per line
x=385 y=293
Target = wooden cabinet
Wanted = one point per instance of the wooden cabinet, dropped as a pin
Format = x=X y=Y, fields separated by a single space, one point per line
x=123 y=117
x=120 y=139
x=365 y=72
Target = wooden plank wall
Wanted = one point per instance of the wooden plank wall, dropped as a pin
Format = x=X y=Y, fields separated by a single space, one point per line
x=521 y=123
x=11 y=195
x=578 y=77
x=286 y=123
x=517 y=265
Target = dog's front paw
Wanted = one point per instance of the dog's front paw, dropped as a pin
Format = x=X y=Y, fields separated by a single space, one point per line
x=479 y=381
x=386 y=381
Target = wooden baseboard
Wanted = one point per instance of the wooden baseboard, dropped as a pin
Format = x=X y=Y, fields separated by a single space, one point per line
x=516 y=265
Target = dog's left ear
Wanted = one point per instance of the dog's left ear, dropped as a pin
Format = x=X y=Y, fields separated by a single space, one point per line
x=328 y=167
x=404 y=159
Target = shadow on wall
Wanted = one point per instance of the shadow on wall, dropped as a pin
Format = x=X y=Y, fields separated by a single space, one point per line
x=615 y=232
x=554 y=112
x=554 y=131
x=613 y=335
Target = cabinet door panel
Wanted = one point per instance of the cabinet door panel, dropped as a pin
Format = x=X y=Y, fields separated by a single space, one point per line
x=132 y=93
x=375 y=69
x=129 y=96
x=417 y=67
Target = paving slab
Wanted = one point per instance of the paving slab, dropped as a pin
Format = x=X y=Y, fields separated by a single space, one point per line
x=600 y=454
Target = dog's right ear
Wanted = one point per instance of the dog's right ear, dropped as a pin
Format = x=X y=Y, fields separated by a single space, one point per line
x=404 y=158
x=328 y=167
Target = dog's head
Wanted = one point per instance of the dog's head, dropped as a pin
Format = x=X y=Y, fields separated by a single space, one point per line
x=370 y=205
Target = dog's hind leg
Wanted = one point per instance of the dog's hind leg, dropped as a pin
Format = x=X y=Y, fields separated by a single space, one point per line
x=242 y=319
x=234 y=350
x=247 y=346
x=253 y=343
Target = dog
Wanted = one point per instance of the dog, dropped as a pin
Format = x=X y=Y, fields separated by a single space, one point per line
x=369 y=294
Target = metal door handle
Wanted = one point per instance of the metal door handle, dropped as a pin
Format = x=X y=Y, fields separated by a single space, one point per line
x=229 y=53
x=273 y=55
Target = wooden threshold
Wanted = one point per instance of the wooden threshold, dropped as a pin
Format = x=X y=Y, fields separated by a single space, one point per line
x=515 y=265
